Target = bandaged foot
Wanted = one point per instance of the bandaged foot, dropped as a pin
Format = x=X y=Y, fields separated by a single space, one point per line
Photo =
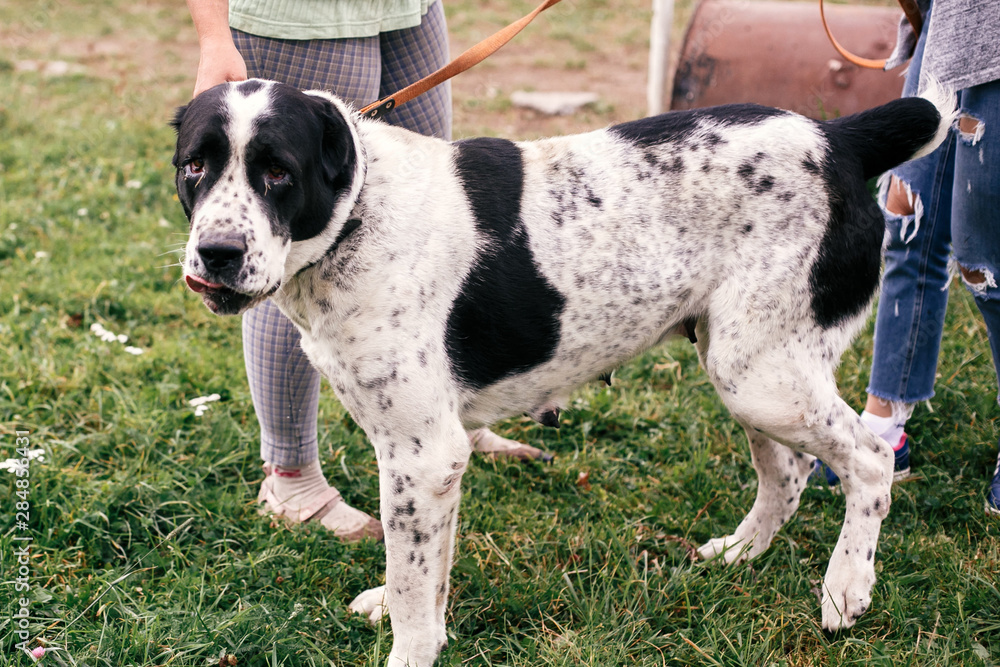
x=300 y=495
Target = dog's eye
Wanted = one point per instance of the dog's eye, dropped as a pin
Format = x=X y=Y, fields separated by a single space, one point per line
x=276 y=174
x=195 y=167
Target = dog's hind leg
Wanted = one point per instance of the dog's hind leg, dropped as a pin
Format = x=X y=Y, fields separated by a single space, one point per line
x=865 y=469
x=781 y=478
x=788 y=395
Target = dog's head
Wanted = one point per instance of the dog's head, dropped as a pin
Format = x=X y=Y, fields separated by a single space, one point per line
x=267 y=175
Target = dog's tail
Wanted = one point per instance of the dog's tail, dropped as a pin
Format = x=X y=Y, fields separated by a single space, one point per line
x=904 y=129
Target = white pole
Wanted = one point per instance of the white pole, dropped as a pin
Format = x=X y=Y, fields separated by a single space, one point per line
x=659 y=54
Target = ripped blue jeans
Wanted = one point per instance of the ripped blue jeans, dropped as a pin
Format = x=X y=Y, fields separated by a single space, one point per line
x=954 y=194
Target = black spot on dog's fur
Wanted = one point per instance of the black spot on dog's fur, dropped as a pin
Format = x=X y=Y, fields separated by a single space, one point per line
x=248 y=88
x=679 y=125
x=713 y=140
x=345 y=231
x=506 y=318
x=746 y=172
x=409 y=509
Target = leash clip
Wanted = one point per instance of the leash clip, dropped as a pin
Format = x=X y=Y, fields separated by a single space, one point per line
x=378 y=110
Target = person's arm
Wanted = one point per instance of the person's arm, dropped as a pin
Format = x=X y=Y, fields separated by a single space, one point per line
x=219 y=60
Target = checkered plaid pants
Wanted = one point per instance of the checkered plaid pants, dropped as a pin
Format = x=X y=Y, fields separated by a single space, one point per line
x=283 y=384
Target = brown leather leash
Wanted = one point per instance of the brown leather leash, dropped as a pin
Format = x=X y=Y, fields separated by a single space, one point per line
x=912 y=15
x=473 y=56
x=476 y=54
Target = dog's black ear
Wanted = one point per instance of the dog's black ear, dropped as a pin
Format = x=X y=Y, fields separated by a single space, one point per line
x=179 y=117
x=176 y=124
x=338 y=145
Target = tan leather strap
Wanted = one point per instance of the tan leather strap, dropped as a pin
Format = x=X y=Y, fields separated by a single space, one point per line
x=472 y=56
x=912 y=12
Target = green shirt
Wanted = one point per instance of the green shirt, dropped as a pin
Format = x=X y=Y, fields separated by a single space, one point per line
x=324 y=19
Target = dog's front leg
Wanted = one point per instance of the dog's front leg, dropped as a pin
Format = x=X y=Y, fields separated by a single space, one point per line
x=420 y=485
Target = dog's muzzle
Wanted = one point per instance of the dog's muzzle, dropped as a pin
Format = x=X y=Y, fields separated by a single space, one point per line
x=222 y=260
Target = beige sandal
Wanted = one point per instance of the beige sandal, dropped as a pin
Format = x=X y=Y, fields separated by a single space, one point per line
x=329 y=509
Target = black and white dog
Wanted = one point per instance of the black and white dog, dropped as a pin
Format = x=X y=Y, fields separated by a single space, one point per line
x=441 y=286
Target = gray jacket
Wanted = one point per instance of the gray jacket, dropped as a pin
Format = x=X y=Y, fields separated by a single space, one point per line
x=962 y=47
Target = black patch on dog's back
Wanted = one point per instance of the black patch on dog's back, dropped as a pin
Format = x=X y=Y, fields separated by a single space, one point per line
x=846 y=273
x=505 y=320
x=679 y=125
x=845 y=276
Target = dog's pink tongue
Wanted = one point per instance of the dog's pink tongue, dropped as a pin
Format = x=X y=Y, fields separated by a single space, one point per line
x=198 y=285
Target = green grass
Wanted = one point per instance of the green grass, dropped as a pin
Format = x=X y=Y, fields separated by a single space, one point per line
x=549 y=570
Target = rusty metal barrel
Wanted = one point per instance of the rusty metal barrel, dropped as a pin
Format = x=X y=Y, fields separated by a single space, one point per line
x=776 y=53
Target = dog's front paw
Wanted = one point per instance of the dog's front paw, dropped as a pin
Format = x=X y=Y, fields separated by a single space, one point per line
x=847 y=594
x=415 y=651
x=731 y=548
x=408 y=658
x=372 y=604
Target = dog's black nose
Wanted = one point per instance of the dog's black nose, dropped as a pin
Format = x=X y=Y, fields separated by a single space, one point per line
x=222 y=253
